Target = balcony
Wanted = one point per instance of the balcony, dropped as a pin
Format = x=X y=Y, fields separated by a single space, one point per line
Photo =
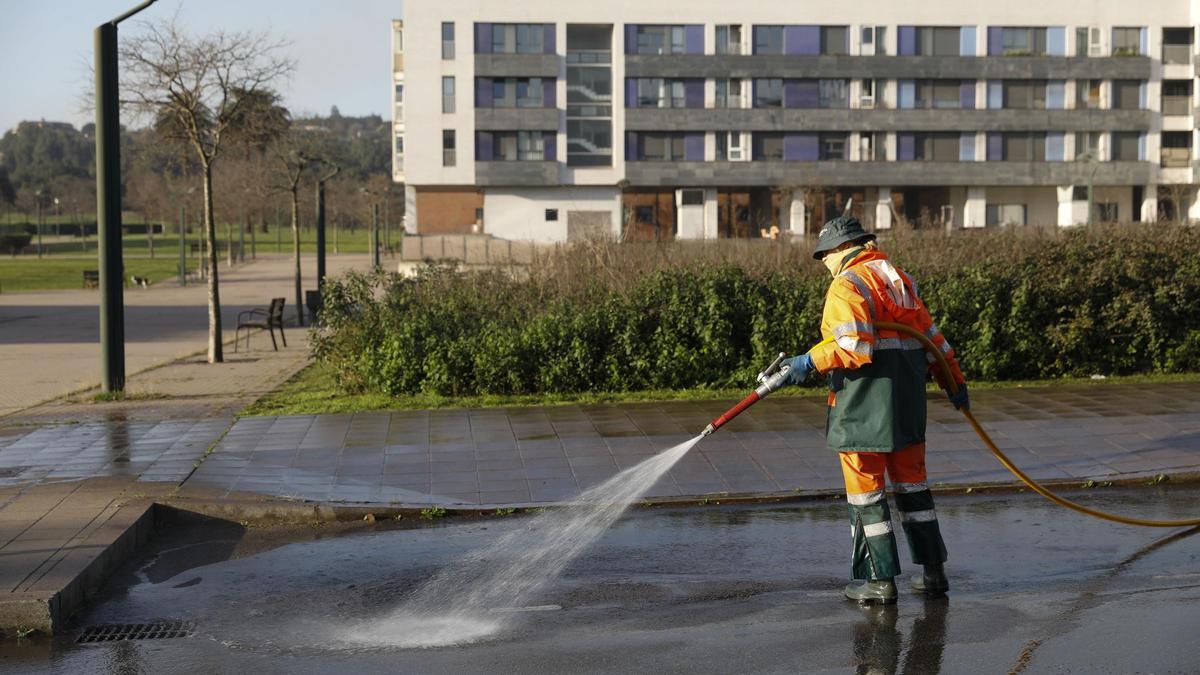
x=513 y=119
x=1176 y=158
x=901 y=67
x=1176 y=54
x=1177 y=105
x=916 y=174
x=517 y=65
x=516 y=174
x=842 y=119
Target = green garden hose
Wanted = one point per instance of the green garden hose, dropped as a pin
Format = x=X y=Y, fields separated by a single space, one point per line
x=987 y=440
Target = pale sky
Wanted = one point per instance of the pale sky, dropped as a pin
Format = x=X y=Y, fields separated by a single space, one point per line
x=341 y=48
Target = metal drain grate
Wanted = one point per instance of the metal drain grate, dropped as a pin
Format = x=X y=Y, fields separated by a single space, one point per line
x=158 y=630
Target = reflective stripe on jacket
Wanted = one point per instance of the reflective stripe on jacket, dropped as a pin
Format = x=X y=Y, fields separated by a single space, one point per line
x=877 y=377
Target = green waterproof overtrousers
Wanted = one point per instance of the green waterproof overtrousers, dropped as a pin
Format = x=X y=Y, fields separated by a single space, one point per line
x=875 y=555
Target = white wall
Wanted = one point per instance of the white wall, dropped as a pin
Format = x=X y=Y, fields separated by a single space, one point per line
x=1041 y=203
x=520 y=213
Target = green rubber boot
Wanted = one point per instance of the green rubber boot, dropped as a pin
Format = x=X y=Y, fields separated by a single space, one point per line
x=874 y=592
x=932 y=582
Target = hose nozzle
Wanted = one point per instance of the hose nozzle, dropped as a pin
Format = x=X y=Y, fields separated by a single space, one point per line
x=707 y=431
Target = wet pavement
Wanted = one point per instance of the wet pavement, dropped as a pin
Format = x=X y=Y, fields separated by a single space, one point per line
x=519 y=456
x=715 y=589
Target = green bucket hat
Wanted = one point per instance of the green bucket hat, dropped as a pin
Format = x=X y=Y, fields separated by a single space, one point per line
x=837 y=232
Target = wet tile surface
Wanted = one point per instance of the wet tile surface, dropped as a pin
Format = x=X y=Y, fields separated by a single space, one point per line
x=530 y=455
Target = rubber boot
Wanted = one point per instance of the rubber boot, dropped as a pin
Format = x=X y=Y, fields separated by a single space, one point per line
x=873 y=592
x=932 y=582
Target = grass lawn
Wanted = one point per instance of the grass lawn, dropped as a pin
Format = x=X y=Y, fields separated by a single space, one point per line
x=275 y=240
x=29 y=273
x=314 y=391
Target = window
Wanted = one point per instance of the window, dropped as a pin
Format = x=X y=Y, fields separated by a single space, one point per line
x=1023 y=41
x=691 y=198
x=398 y=40
x=832 y=146
x=1177 y=45
x=551 y=215
x=729 y=39
x=729 y=146
x=938 y=41
x=938 y=94
x=479 y=215
x=939 y=146
x=768 y=93
x=1106 y=212
x=768 y=146
x=1087 y=94
x=1127 y=41
x=835 y=40
x=729 y=93
x=768 y=39
x=448 y=147
x=518 y=38
x=1024 y=146
x=529 y=92
x=661 y=146
x=1126 y=146
x=1177 y=97
x=868 y=94
x=1126 y=94
x=656 y=92
x=399 y=93
x=589 y=95
x=531 y=146
x=1004 y=214
x=1025 y=94
x=644 y=215
x=589 y=91
x=1079 y=193
x=834 y=94
x=660 y=39
x=448 y=94
x=1081 y=42
x=879 y=142
x=447 y=40
x=1087 y=146
x=1176 y=149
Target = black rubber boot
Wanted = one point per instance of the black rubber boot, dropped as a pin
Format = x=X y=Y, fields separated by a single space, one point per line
x=932 y=582
x=874 y=592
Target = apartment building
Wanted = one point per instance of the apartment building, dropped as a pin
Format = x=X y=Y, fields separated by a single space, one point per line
x=552 y=121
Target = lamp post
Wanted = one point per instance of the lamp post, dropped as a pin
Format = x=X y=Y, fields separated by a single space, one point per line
x=1090 y=157
x=183 y=244
x=373 y=238
x=108 y=204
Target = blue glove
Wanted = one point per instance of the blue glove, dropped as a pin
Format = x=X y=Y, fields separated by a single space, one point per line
x=799 y=369
x=960 y=400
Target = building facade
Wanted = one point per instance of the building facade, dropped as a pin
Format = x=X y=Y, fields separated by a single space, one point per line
x=552 y=121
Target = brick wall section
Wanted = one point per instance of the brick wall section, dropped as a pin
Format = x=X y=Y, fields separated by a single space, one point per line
x=447 y=210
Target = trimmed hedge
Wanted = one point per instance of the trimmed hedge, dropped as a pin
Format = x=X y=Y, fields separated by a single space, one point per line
x=1108 y=301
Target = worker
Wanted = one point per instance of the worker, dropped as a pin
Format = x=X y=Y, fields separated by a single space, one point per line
x=876 y=414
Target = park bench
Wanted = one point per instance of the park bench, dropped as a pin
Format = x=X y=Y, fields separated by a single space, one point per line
x=91 y=278
x=268 y=319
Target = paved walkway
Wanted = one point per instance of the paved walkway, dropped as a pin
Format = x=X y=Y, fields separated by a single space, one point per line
x=49 y=344
x=524 y=456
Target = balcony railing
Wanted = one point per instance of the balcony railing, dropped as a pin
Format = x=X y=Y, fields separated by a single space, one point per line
x=1176 y=158
x=1177 y=105
x=1177 y=54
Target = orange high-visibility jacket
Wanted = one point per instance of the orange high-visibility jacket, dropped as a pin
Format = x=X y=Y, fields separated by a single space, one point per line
x=877 y=377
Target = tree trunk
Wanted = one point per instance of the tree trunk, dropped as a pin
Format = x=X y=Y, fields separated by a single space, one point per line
x=215 y=354
x=296 y=254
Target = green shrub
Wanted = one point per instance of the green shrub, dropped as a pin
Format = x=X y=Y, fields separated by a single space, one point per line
x=625 y=317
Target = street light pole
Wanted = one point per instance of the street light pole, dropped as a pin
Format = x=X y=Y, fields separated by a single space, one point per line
x=108 y=203
x=375 y=235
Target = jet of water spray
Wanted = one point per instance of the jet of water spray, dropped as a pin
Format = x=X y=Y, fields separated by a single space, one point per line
x=459 y=603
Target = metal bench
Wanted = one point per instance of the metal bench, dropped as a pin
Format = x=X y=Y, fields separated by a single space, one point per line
x=268 y=319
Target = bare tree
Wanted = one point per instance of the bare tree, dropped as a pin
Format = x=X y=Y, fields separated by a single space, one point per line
x=199 y=89
x=291 y=161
